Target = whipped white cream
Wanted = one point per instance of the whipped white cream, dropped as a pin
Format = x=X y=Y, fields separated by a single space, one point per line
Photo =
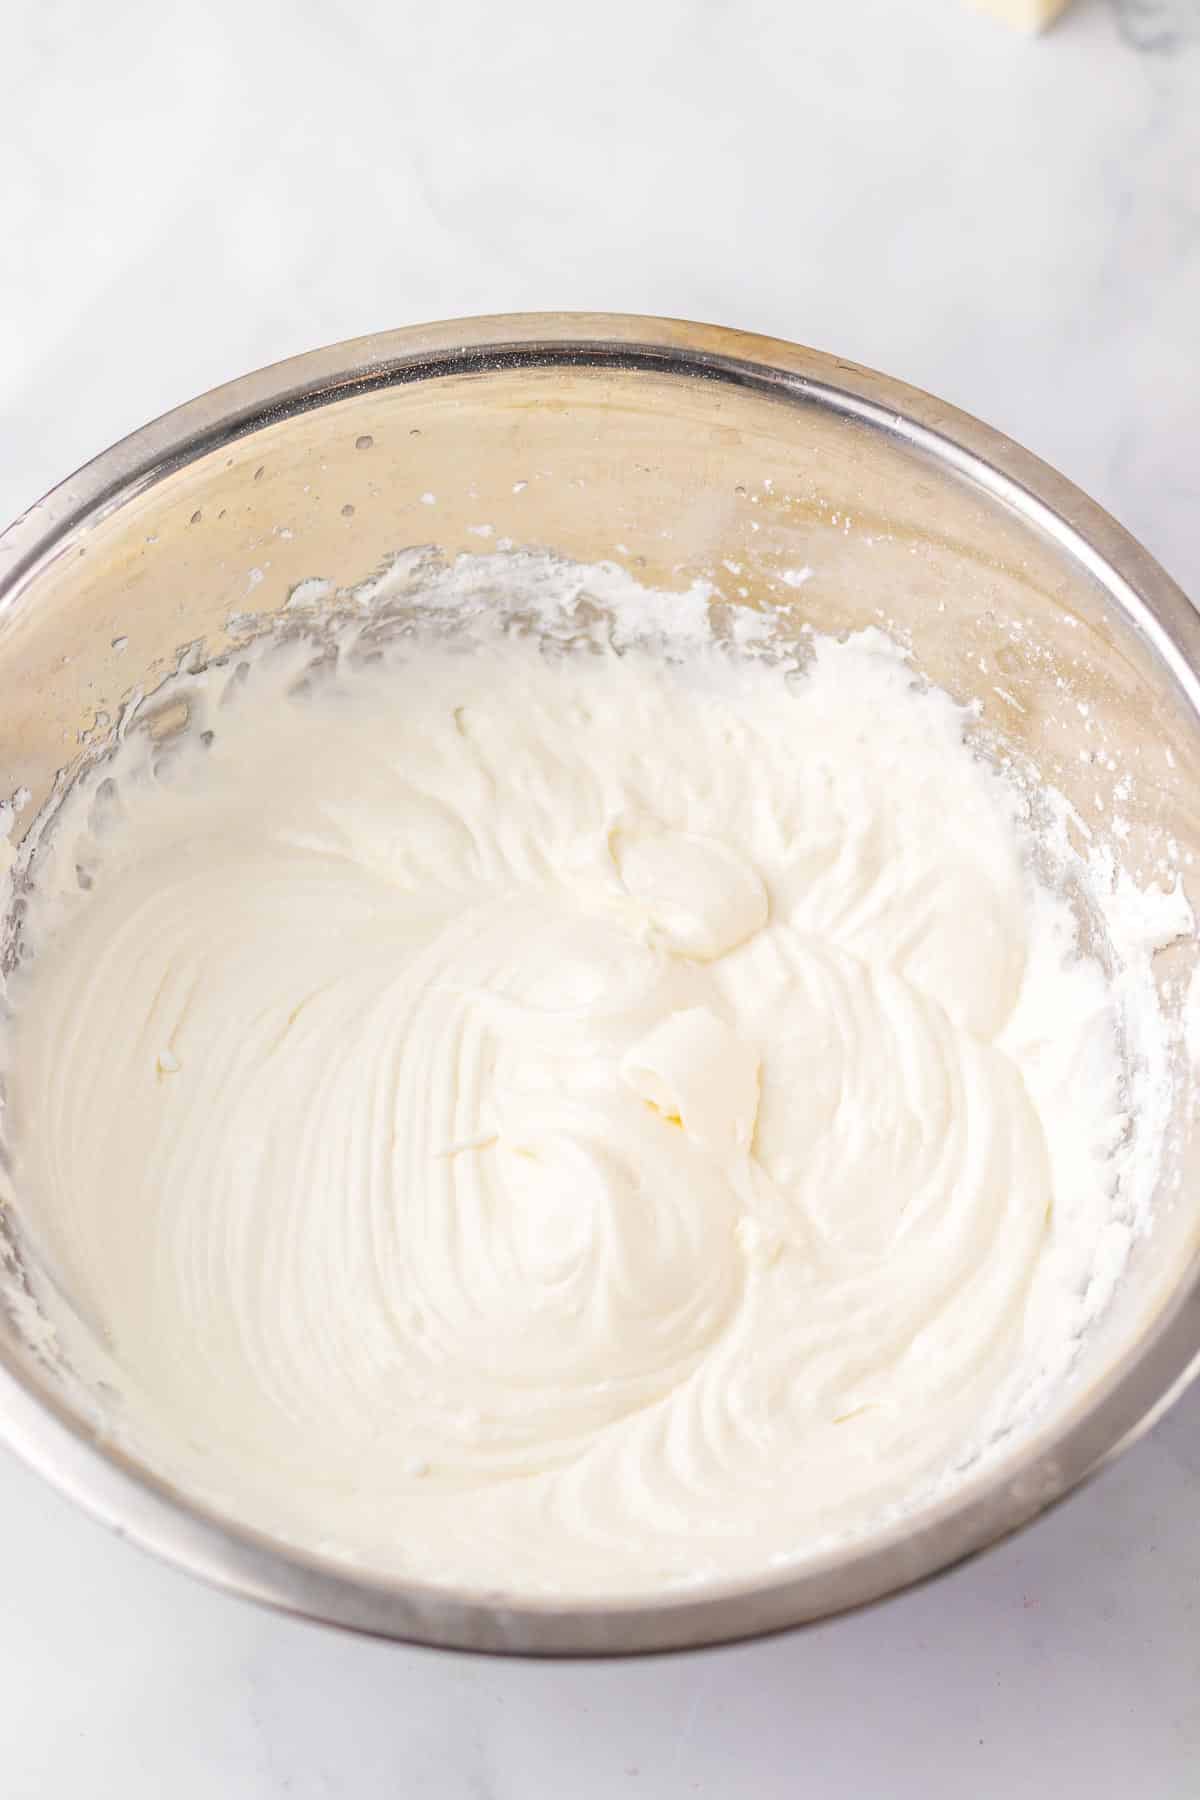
x=560 y=1120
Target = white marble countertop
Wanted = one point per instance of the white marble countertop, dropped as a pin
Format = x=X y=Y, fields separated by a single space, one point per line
x=188 y=192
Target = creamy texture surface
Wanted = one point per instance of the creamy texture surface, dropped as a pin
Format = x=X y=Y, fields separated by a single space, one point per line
x=561 y=1121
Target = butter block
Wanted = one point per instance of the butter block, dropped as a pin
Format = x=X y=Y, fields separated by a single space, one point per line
x=1026 y=15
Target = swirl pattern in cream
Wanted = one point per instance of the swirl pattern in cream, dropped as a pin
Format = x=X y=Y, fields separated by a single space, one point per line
x=558 y=1121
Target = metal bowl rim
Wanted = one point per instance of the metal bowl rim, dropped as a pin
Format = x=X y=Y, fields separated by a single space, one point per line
x=137 y=1503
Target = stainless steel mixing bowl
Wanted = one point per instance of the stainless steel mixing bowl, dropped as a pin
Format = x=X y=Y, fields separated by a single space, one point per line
x=678 y=450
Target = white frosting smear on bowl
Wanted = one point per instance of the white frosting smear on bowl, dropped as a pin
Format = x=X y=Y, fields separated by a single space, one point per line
x=564 y=1118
